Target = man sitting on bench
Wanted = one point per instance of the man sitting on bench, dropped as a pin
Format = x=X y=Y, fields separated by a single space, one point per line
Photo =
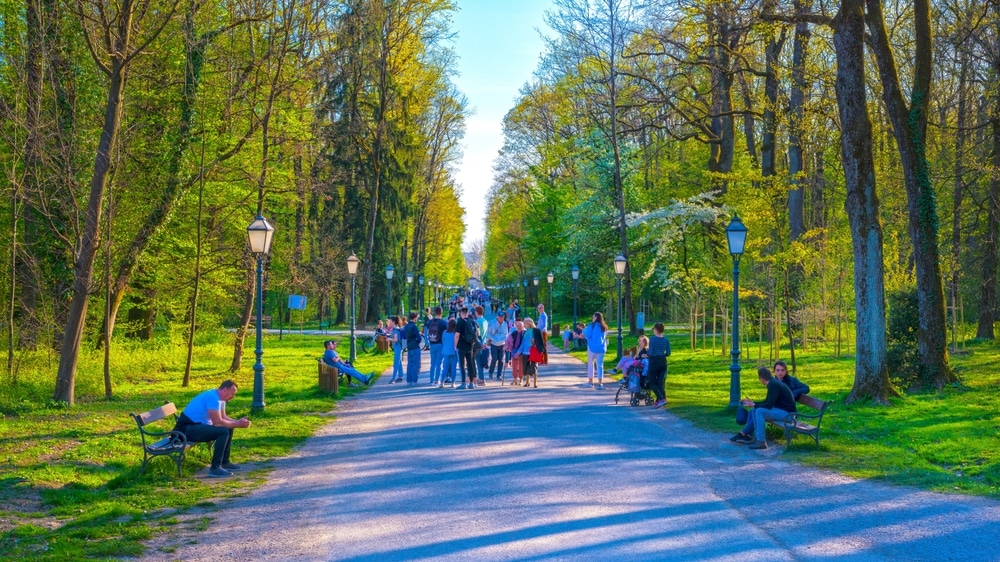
x=331 y=358
x=204 y=419
x=775 y=407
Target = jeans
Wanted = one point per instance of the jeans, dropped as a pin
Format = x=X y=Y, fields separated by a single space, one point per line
x=203 y=433
x=436 y=361
x=496 y=360
x=397 y=363
x=351 y=372
x=467 y=365
x=658 y=376
x=593 y=358
x=482 y=360
x=448 y=367
x=759 y=417
x=413 y=365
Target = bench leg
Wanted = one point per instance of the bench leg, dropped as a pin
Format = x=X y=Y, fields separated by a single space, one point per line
x=145 y=459
x=180 y=461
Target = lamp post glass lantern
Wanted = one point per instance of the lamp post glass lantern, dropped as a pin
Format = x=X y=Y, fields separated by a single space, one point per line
x=389 y=272
x=575 y=273
x=551 y=277
x=736 y=237
x=409 y=286
x=352 y=270
x=259 y=234
x=620 y=263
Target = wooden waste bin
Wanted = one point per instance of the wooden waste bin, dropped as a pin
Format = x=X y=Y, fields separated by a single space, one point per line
x=329 y=378
x=382 y=343
x=556 y=332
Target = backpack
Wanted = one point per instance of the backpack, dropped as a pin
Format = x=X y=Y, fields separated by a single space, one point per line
x=434 y=331
x=469 y=332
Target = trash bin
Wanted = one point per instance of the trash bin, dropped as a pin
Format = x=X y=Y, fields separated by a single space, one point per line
x=382 y=343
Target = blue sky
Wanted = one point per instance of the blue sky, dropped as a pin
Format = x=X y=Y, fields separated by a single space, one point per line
x=498 y=49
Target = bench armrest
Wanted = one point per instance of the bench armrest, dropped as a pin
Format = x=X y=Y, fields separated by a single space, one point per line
x=790 y=419
x=176 y=437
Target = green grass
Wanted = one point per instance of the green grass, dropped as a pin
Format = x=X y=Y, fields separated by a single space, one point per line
x=947 y=441
x=69 y=477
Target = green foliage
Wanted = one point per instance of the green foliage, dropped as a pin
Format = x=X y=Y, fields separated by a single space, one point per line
x=901 y=339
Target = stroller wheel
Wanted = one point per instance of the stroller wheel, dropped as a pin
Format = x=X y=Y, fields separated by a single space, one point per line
x=634 y=401
x=650 y=399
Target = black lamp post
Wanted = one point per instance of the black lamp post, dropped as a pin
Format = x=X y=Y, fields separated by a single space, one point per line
x=388 y=276
x=420 y=290
x=736 y=237
x=260 y=234
x=352 y=269
x=551 y=277
x=535 y=281
x=620 y=263
x=409 y=296
x=525 y=285
x=575 y=272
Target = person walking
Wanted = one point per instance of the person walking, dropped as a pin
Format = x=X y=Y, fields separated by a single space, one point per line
x=467 y=333
x=411 y=335
x=496 y=337
x=513 y=348
x=396 y=341
x=531 y=352
x=449 y=355
x=436 y=327
x=659 y=350
x=596 y=334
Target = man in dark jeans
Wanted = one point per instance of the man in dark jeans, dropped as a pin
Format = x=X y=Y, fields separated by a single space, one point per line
x=204 y=420
x=467 y=336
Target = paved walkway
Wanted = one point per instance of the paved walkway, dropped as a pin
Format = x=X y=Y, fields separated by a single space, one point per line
x=561 y=473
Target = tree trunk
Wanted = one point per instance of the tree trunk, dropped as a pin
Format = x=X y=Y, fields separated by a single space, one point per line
x=871 y=375
x=796 y=102
x=991 y=245
x=909 y=125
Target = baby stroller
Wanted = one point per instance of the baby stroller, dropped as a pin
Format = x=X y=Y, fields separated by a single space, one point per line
x=635 y=385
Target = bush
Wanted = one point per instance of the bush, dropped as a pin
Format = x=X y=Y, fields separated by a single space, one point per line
x=902 y=356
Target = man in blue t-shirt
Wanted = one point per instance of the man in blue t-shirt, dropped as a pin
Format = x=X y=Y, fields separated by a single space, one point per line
x=331 y=358
x=204 y=419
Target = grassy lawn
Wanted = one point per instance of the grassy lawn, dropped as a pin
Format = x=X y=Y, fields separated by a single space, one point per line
x=947 y=441
x=69 y=477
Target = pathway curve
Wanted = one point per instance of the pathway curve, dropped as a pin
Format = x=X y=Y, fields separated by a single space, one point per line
x=560 y=473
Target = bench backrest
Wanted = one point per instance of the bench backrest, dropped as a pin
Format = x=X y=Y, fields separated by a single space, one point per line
x=813 y=403
x=158 y=414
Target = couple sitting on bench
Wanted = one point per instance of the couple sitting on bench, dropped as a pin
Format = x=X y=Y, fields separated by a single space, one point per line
x=574 y=336
x=782 y=392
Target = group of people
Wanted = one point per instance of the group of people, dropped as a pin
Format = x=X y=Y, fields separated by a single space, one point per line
x=651 y=355
x=782 y=392
x=475 y=346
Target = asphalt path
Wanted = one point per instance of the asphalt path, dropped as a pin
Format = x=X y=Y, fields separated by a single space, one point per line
x=561 y=473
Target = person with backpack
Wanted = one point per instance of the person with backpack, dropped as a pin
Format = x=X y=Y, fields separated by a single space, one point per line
x=435 y=328
x=482 y=354
x=411 y=334
x=467 y=333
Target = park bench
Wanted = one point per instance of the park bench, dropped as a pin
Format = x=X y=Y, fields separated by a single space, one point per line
x=329 y=377
x=265 y=320
x=170 y=443
x=793 y=424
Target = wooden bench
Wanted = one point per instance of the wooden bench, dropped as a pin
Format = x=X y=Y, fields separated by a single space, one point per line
x=170 y=443
x=265 y=321
x=329 y=377
x=793 y=424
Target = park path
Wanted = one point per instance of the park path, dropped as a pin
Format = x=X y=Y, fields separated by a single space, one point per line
x=561 y=473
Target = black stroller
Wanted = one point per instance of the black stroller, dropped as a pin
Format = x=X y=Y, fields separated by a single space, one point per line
x=635 y=385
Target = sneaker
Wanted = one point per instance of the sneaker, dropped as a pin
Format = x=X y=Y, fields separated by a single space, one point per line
x=453 y=385
x=231 y=466
x=371 y=379
x=471 y=386
x=745 y=440
x=599 y=386
x=758 y=445
x=219 y=473
x=659 y=404
x=739 y=437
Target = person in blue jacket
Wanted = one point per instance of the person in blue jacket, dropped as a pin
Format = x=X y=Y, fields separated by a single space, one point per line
x=596 y=334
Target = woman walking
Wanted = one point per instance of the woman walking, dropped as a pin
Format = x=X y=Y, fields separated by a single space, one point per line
x=659 y=350
x=395 y=336
x=596 y=334
x=532 y=348
x=449 y=355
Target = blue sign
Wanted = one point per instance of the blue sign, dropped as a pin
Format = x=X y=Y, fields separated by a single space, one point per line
x=296 y=302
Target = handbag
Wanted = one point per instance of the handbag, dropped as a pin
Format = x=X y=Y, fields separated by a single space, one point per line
x=742 y=415
x=534 y=355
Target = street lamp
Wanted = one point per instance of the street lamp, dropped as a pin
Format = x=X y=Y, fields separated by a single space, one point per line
x=420 y=290
x=388 y=276
x=535 y=281
x=551 y=278
x=575 y=272
x=620 y=263
x=259 y=233
x=736 y=237
x=409 y=281
x=352 y=269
